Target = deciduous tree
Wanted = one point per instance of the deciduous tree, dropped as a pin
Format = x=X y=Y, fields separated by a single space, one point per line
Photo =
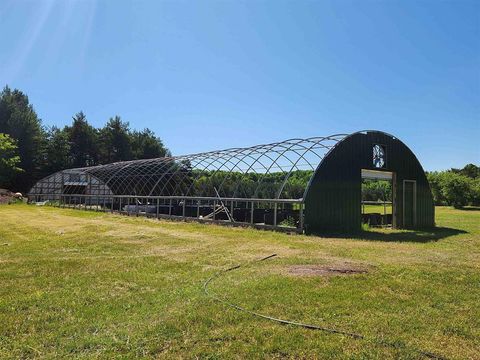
x=57 y=151
x=146 y=145
x=9 y=161
x=19 y=120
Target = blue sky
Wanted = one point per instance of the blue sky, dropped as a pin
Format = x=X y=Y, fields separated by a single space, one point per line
x=208 y=75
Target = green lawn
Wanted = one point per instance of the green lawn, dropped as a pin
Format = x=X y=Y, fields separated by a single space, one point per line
x=373 y=208
x=93 y=285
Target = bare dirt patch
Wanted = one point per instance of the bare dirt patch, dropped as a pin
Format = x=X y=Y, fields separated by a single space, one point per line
x=326 y=270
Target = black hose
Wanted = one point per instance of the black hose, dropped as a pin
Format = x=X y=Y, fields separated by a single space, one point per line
x=307 y=326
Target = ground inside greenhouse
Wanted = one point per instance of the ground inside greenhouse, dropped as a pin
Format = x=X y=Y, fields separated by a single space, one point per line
x=86 y=284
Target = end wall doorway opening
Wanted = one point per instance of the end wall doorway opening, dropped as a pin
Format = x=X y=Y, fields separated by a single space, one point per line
x=378 y=201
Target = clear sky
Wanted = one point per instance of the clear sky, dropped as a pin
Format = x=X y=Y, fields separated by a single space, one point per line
x=207 y=75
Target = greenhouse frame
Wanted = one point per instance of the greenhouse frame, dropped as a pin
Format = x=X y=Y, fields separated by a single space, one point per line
x=304 y=185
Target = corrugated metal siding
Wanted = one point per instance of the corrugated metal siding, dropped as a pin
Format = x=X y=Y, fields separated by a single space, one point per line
x=333 y=200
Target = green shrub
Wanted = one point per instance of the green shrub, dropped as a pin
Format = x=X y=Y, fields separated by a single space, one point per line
x=456 y=189
x=289 y=221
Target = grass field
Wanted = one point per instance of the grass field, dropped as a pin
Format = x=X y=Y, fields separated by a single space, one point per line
x=93 y=285
x=380 y=209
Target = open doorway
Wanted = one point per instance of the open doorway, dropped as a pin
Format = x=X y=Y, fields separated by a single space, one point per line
x=377 y=198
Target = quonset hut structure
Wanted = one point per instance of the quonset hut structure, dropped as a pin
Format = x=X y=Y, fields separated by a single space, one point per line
x=307 y=185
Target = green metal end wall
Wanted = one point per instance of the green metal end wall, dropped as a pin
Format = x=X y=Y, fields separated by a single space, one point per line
x=333 y=199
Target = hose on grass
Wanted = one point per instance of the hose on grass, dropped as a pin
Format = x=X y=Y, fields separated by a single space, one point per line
x=304 y=325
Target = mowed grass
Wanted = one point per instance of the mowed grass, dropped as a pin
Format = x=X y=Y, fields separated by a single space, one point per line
x=92 y=285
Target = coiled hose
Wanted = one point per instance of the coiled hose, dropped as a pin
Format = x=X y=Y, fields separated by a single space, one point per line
x=307 y=326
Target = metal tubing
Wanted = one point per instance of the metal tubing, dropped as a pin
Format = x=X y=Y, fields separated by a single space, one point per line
x=78 y=199
x=275 y=214
x=251 y=212
x=301 y=217
x=263 y=200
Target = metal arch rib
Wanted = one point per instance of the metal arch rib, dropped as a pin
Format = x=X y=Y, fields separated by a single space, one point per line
x=149 y=175
x=314 y=143
x=292 y=143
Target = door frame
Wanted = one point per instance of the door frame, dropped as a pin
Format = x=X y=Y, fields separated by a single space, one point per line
x=414 y=182
x=381 y=174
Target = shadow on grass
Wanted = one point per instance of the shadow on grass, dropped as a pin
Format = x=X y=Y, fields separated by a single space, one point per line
x=469 y=208
x=418 y=236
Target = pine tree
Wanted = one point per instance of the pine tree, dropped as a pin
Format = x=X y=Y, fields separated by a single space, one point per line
x=115 y=141
x=83 y=142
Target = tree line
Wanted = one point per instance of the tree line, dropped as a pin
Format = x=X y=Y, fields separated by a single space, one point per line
x=376 y=190
x=456 y=187
x=29 y=150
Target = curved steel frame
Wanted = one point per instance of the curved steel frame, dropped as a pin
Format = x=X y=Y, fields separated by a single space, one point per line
x=264 y=186
x=223 y=171
x=242 y=185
